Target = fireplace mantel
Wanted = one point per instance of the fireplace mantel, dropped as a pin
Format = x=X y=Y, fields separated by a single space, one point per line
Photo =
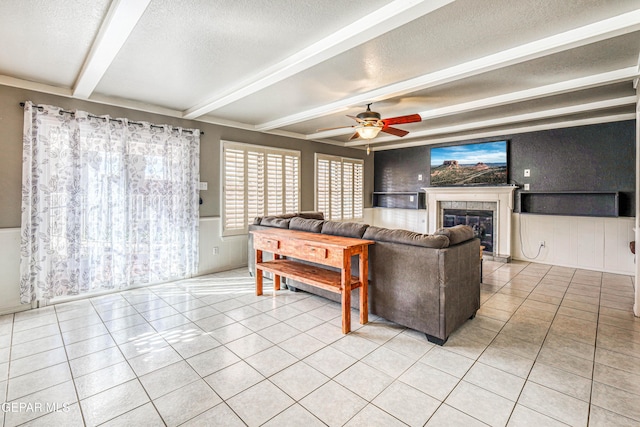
x=501 y=195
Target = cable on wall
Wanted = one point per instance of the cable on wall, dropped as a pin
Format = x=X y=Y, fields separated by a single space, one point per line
x=521 y=242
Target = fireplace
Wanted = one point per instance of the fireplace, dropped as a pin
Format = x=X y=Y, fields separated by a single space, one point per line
x=480 y=220
x=496 y=199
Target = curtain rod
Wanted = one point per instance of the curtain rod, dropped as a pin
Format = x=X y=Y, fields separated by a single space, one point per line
x=40 y=108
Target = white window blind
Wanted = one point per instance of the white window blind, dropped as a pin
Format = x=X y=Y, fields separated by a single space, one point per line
x=339 y=187
x=257 y=181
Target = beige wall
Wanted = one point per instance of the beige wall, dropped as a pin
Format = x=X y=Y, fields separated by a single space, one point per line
x=11 y=124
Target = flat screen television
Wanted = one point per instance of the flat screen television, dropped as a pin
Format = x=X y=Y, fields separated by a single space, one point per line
x=483 y=163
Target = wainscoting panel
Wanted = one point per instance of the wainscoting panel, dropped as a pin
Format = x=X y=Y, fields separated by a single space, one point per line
x=407 y=219
x=592 y=243
x=10 y=268
x=617 y=254
x=231 y=253
x=581 y=242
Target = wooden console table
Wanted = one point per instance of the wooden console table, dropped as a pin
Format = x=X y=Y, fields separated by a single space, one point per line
x=334 y=251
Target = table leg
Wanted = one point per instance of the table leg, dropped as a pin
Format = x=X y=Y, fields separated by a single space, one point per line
x=346 y=292
x=258 y=272
x=364 y=289
x=276 y=278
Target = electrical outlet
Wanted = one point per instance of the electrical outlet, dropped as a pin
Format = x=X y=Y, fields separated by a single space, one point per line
x=542 y=244
x=203 y=186
x=216 y=250
x=527 y=173
x=411 y=198
x=526 y=187
x=419 y=177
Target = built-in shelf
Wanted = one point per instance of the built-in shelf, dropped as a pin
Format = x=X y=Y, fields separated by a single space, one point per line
x=398 y=199
x=570 y=203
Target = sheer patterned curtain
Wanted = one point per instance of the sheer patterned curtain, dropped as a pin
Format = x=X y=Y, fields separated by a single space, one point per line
x=106 y=203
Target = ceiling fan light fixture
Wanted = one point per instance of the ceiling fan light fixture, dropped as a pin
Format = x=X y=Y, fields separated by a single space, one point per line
x=368 y=132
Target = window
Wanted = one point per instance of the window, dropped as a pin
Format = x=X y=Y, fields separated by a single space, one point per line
x=257 y=181
x=339 y=187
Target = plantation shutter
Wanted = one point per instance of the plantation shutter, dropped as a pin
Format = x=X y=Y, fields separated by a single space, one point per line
x=257 y=181
x=336 y=189
x=234 y=189
x=275 y=184
x=358 y=189
x=291 y=183
x=323 y=185
x=339 y=187
x=255 y=184
x=347 y=190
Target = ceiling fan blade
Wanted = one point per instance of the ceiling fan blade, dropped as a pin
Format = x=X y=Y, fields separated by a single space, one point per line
x=359 y=120
x=394 y=131
x=339 y=127
x=355 y=135
x=411 y=118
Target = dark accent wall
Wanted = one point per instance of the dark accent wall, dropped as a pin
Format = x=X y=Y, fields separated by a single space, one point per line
x=399 y=170
x=586 y=158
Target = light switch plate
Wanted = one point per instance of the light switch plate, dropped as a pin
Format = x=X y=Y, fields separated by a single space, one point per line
x=526 y=187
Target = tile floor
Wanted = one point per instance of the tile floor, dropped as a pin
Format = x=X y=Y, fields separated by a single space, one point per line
x=550 y=346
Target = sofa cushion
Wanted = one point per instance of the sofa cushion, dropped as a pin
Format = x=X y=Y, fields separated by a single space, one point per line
x=311 y=215
x=406 y=237
x=305 y=224
x=457 y=234
x=344 y=229
x=274 y=221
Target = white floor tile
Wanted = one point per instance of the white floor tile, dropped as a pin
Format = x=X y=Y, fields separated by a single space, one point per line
x=333 y=404
x=208 y=351
x=259 y=403
x=165 y=380
x=186 y=403
x=407 y=403
x=103 y=379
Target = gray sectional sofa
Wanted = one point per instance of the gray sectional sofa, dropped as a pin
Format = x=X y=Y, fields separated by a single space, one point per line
x=430 y=283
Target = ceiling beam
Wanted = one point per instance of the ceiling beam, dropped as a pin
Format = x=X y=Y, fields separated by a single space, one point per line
x=533 y=116
x=591 y=33
x=391 y=16
x=582 y=83
x=499 y=132
x=574 y=85
x=38 y=87
x=121 y=19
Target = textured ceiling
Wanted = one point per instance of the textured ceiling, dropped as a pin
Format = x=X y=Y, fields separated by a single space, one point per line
x=469 y=68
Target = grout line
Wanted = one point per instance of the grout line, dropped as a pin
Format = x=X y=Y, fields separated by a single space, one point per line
x=595 y=349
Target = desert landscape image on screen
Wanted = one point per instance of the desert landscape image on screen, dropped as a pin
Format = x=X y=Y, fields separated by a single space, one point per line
x=469 y=164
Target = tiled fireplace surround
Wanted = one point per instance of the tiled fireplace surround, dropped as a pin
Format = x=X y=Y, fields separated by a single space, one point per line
x=499 y=199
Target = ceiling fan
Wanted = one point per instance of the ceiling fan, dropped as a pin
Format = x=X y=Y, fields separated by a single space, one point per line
x=370 y=124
